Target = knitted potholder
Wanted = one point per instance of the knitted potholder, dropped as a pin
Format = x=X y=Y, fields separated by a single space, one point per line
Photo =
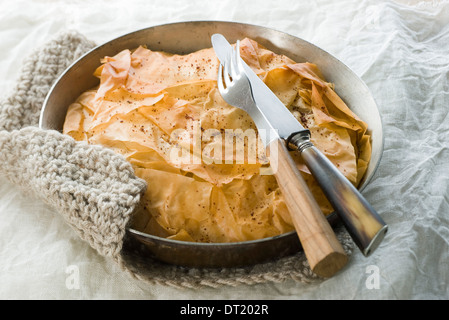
x=94 y=189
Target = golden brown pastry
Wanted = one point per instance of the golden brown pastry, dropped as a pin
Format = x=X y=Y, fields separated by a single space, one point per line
x=164 y=113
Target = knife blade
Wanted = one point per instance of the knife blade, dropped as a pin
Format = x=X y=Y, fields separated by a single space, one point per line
x=362 y=222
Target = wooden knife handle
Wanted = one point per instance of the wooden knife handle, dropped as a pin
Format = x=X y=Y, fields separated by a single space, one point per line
x=363 y=223
x=321 y=247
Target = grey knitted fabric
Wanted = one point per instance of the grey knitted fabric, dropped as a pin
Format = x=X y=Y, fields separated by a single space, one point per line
x=94 y=189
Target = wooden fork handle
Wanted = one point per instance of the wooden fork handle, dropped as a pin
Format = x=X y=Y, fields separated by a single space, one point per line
x=321 y=247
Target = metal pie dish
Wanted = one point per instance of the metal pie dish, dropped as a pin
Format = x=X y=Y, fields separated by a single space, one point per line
x=187 y=37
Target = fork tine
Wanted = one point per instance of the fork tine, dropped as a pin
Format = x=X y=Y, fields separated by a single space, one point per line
x=226 y=76
x=236 y=63
x=234 y=60
x=240 y=61
x=220 y=78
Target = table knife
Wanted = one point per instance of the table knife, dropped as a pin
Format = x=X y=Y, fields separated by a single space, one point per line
x=363 y=223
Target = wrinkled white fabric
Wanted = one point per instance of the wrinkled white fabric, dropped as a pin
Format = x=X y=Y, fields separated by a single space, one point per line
x=399 y=48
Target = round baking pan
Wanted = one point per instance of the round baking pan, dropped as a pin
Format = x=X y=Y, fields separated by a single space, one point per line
x=187 y=37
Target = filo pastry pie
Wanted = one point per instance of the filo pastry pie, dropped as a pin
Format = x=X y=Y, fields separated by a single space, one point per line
x=164 y=113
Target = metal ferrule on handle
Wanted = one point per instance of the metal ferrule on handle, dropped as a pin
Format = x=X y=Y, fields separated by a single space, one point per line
x=362 y=222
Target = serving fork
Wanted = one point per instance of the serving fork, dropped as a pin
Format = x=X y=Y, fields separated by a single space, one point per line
x=320 y=244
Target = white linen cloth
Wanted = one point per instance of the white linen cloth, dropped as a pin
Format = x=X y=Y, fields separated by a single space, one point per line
x=399 y=48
